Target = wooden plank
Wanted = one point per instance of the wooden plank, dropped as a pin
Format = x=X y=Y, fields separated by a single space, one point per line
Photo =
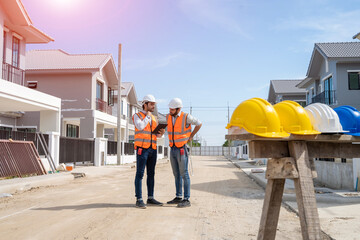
x=271 y=209
x=268 y=149
x=271 y=149
x=281 y=168
x=305 y=195
x=292 y=137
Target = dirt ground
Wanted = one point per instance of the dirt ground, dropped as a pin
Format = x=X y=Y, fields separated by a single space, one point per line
x=226 y=204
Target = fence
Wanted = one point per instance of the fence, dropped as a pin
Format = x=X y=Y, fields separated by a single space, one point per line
x=24 y=136
x=129 y=149
x=112 y=148
x=19 y=158
x=74 y=150
x=211 y=151
x=160 y=150
x=166 y=151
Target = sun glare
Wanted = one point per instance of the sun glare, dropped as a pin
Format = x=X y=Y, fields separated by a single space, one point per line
x=65 y=3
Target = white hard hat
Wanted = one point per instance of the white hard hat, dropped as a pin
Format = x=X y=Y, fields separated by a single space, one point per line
x=148 y=98
x=175 y=103
x=324 y=118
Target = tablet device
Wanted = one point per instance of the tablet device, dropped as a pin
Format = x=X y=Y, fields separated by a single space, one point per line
x=159 y=127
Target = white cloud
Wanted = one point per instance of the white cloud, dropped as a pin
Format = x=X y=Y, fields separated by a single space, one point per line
x=154 y=63
x=217 y=13
x=334 y=26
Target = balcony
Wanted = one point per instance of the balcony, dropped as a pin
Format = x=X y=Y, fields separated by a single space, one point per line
x=13 y=74
x=326 y=97
x=128 y=119
x=103 y=106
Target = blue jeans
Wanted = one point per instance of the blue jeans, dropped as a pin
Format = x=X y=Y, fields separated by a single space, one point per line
x=147 y=158
x=179 y=164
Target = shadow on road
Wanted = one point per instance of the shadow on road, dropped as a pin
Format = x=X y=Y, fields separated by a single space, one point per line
x=87 y=206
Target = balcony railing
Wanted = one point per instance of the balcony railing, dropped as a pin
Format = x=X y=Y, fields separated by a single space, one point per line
x=129 y=119
x=13 y=74
x=103 y=106
x=327 y=97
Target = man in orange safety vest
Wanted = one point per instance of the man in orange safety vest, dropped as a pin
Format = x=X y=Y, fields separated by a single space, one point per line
x=179 y=132
x=146 y=150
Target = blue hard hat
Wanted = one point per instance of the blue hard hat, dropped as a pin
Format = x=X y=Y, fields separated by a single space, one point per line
x=349 y=119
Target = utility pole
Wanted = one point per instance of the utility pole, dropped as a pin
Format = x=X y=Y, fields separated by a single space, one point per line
x=229 y=141
x=191 y=127
x=119 y=109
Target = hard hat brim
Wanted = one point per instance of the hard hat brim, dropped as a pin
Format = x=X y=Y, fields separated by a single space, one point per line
x=353 y=134
x=267 y=134
x=306 y=132
x=273 y=134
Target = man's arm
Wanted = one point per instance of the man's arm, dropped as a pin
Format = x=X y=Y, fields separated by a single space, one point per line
x=193 y=121
x=141 y=124
x=196 y=129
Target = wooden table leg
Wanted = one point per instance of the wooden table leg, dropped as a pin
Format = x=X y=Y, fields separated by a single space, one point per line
x=271 y=209
x=305 y=195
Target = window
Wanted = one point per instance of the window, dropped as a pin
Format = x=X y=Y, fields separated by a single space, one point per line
x=328 y=90
x=110 y=97
x=15 y=52
x=4 y=47
x=354 y=81
x=99 y=90
x=312 y=92
x=72 y=131
x=308 y=98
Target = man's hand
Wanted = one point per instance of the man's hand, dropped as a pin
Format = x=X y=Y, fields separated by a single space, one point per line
x=161 y=132
x=189 y=140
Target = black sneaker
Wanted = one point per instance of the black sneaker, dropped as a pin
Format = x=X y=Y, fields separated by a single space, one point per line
x=184 y=203
x=140 y=204
x=152 y=201
x=175 y=201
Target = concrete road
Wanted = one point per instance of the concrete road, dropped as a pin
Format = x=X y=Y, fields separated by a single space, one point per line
x=226 y=204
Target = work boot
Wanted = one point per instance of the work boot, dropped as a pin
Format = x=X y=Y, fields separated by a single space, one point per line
x=175 y=200
x=184 y=203
x=140 y=204
x=152 y=201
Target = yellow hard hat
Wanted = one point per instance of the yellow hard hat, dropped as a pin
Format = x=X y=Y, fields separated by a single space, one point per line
x=294 y=118
x=257 y=116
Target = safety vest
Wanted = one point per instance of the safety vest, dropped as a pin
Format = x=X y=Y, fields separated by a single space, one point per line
x=179 y=133
x=145 y=138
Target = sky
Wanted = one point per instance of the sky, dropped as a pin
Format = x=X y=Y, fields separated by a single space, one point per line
x=213 y=54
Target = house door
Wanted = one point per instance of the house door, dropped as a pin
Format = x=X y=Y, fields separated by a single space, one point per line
x=328 y=91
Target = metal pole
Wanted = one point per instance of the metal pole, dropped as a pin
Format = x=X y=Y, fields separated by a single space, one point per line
x=119 y=109
x=190 y=157
x=229 y=141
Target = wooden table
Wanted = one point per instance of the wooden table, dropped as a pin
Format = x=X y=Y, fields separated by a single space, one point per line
x=292 y=158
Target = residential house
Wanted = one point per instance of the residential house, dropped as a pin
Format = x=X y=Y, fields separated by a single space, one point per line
x=333 y=78
x=333 y=74
x=85 y=84
x=281 y=90
x=129 y=106
x=17 y=30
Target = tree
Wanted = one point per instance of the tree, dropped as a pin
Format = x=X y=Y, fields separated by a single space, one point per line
x=226 y=143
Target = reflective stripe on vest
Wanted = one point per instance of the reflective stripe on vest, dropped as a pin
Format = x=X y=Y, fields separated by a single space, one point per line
x=178 y=132
x=144 y=138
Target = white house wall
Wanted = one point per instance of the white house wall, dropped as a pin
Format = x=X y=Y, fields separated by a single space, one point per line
x=343 y=94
